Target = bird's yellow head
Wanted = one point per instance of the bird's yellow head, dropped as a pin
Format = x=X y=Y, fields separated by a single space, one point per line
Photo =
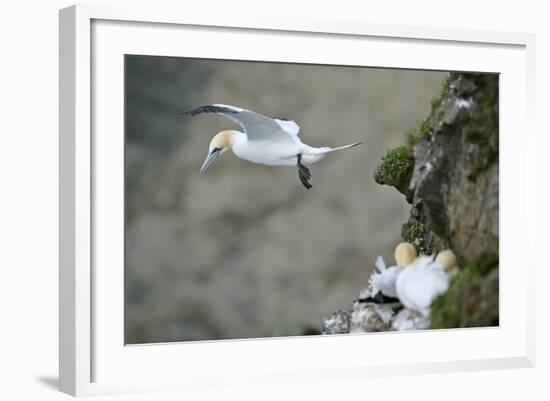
x=221 y=143
x=405 y=254
x=447 y=259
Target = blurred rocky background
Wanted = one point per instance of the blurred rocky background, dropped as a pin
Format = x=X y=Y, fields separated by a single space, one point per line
x=244 y=250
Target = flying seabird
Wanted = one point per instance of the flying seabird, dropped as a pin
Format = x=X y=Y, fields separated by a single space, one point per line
x=269 y=141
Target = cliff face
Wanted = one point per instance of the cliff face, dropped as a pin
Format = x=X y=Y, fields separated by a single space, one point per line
x=455 y=185
x=448 y=171
x=455 y=176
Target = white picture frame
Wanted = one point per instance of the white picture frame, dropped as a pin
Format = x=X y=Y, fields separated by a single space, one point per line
x=93 y=357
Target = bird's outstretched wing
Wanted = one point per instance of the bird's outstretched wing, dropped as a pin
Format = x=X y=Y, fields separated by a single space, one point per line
x=256 y=126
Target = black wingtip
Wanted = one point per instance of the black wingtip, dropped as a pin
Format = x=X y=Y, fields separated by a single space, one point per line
x=194 y=112
x=209 y=108
x=188 y=113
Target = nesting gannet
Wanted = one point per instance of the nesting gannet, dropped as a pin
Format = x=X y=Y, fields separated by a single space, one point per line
x=273 y=142
x=384 y=280
x=423 y=280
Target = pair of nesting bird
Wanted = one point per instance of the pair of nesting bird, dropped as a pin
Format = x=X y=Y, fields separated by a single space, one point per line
x=415 y=280
x=269 y=141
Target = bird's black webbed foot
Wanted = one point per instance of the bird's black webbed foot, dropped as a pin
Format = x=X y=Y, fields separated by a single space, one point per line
x=303 y=173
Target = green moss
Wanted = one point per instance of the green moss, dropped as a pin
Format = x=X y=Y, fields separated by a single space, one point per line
x=437 y=99
x=423 y=127
x=489 y=115
x=444 y=91
x=482 y=266
x=414 y=233
x=454 y=75
x=482 y=131
x=448 y=309
x=419 y=132
x=395 y=166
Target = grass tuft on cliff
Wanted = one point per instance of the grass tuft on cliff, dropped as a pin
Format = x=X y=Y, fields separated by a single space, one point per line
x=419 y=132
x=395 y=165
x=414 y=232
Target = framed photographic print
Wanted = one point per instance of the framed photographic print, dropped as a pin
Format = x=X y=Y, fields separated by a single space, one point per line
x=272 y=200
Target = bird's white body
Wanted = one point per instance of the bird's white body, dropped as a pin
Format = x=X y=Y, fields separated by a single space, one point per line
x=275 y=153
x=384 y=281
x=419 y=283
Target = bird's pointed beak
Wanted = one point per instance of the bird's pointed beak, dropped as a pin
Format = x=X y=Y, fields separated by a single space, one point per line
x=210 y=159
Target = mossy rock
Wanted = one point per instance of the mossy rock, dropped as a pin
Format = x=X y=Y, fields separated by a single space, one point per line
x=414 y=232
x=472 y=297
x=418 y=133
x=396 y=170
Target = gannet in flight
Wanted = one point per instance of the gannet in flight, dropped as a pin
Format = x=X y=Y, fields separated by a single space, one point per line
x=269 y=141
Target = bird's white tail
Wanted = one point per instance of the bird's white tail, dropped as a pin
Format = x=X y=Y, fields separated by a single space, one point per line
x=345 y=147
x=326 y=149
